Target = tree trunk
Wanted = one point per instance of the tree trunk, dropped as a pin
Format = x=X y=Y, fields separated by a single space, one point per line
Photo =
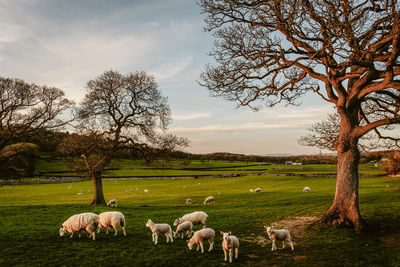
x=98 y=197
x=344 y=211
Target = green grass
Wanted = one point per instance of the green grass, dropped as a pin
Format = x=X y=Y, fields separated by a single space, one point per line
x=125 y=168
x=31 y=216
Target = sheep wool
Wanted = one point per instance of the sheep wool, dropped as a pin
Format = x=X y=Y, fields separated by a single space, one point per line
x=196 y=217
x=112 y=219
x=87 y=221
x=199 y=237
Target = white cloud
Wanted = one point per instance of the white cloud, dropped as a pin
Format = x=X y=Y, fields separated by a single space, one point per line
x=191 y=116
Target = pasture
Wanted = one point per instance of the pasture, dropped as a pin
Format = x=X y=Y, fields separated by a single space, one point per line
x=32 y=214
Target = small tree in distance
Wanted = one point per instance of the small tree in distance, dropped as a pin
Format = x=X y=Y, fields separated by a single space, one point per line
x=119 y=112
x=347 y=52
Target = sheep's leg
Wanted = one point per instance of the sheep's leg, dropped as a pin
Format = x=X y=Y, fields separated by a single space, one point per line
x=182 y=235
x=152 y=237
x=79 y=235
x=94 y=235
x=236 y=253
x=156 y=239
x=201 y=246
x=116 y=231
x=98 y=230
x=72 y=235
x=283 y=244
x=225 y=258
x=170 y=236
x=211 y=244
x=107 y=230
x=291 y=244
x=273 y=245
x=230 y=255
x=123 y=230
x=167 y=236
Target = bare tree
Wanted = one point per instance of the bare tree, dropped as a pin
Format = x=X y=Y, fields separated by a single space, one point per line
x=120 y=112
x=347 y=52
x=26 y=107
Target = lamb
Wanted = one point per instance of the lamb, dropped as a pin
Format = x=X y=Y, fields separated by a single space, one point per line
x=306 y=189
x=196 y=217
x=181 y=228
x=230 y=242
x=257 y=190
x=278 y=235
x=87 y=222
x=112 y=203
x=199 y=237
x=189 y=201
x=208 y=200
x=112 y=219
x=162 y=228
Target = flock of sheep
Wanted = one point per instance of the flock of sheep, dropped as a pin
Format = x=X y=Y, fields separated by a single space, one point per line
x=90 y=222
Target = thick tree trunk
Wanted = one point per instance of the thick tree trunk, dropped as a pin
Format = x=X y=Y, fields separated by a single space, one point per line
x=98 y=196
x=344 y=211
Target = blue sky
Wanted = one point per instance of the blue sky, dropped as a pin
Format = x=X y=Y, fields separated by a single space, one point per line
x=67 y=43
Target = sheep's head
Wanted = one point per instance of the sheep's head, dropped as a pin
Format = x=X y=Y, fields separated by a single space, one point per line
x=175 y=234
x=268 y=228
x=149 y=222
x=62 y=230
x=189 y=244
x=225 y=235
x=176 y=222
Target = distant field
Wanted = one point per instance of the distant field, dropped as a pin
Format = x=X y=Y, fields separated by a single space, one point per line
x=127 y=168
x=31 y=216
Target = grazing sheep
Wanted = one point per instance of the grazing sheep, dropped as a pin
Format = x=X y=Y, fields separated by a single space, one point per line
x=112 y=219
x=189 y=201
x=257 y=190
x=199 y=237
x=162 y=228
x=278 y=235
x=196 y=217
x=86 y=222
x=146 y=190
x=208 y=200
x=181 y=228
x=112 y=203
x=251 y=190
x=79 y=193
x=230 y=242
x=306 y=189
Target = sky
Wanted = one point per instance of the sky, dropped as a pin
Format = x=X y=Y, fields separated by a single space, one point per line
x=66 y=43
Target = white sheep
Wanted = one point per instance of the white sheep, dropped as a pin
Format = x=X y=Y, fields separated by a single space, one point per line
x=189 y=201
x=278 y=235
x=161 y=228
x=146 y=190
x=199 y=237
x=306 y=189
x=257 y=190
x=181 y=228
x=208 y=200
x=112 y=219
x=86 y=222
x=196 y=217
x=251 y=190
x=230 y=243
x=112 y=203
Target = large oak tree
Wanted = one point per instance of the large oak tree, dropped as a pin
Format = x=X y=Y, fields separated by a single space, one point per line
x=347 y=52
x=119 y=112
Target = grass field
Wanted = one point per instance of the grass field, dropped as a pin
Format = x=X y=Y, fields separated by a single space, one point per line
x=32 y=214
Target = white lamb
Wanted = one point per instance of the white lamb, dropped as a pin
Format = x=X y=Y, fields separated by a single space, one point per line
x=189 y=201
x=196 y=217
x=162 y=228
x=230 y=243
x=209 y=200
x=278 y=235
x=306 y=189
x=181 y=228
x=199 y=237
x=257 y=190
x=86 y=222
x=112 y=203
x=112 y=219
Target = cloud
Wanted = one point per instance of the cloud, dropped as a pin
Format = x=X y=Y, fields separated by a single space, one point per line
x=192 y=116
